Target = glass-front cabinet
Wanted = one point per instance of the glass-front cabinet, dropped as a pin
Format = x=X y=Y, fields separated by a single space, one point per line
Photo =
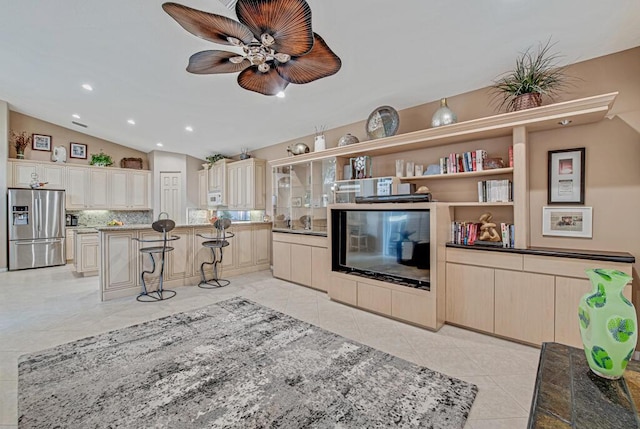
x=301 y=194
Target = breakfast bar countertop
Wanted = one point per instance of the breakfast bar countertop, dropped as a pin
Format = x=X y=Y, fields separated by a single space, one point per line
x=148 y=226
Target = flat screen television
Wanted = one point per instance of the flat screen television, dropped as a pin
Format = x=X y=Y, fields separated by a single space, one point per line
x=387 y=245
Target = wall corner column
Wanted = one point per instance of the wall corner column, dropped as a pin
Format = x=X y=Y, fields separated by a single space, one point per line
x=521 y=215
x=4 y=166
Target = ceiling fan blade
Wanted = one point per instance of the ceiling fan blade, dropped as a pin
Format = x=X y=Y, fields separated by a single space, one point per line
x=318 y=63
x=288 y=21
x=269 y=83
x=214 y=62
x=208 y=26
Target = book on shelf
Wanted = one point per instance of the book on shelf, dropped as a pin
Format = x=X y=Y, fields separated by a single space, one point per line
x=511 y=156
x=495 y=191
x=464 y=162
x=467 y=233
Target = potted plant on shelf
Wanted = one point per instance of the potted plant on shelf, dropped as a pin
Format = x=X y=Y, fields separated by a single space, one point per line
x=101 y=159
x=212 y=159
x=535 y=74
x=20 y=142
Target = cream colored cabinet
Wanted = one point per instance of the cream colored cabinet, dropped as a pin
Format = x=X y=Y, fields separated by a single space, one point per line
x=246 y=185
x=217 y=179
x=320 y=268
x=98 y=189
x=77 y=188
x=87 y=257
x=22 y=174
x=343 y=289
x=282 y=260
x=262 y=244
x=203 y=189
x=69 y=244
x=470 y=296
x=524 y=306
x=243 y=242
x=302 y=259
x=128 y=190
x=179 y=263
x=374 y=298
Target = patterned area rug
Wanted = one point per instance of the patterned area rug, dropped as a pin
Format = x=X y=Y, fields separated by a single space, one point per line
x=232 y=364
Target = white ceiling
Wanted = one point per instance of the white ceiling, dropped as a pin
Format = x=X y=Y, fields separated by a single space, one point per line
x=398 y=53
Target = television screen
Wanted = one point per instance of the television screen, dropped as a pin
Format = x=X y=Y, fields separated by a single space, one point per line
x=389 y=245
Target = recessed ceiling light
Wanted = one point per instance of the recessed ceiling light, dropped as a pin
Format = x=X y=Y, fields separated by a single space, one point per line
x=159 y=144
x=75 y=115
x=131 y=121
x=280 y=94
x=189 y=128
x=564 y=122
x=87 y=87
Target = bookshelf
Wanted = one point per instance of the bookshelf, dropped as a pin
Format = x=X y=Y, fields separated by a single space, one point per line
x=465 y=175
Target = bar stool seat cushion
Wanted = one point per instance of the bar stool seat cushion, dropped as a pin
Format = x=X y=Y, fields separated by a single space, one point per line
x=215 y=243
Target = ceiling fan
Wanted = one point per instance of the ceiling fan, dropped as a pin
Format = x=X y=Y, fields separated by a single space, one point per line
x=275 y=36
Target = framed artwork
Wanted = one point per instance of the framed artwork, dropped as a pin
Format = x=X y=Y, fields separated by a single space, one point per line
x=566 y=176
x=41 y=142
x=296 y=201
x=567 y=221
x=78 y=150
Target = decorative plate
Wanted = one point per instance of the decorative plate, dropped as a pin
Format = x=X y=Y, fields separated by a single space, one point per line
x=383 y=122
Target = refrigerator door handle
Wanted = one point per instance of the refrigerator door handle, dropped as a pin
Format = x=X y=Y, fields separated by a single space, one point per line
x=32 y=242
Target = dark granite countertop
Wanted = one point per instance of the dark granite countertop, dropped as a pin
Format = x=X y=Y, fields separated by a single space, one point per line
x=569 y=395
x=596 y=255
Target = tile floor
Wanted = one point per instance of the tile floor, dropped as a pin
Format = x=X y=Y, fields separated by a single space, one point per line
x=46 y=307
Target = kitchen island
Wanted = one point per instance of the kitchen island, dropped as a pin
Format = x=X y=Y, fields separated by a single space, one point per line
x=121 y=261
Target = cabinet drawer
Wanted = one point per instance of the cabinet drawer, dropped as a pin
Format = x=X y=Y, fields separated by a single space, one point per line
x=507 y=261
x=374 y=298
x=568 y=267
x=343 y=290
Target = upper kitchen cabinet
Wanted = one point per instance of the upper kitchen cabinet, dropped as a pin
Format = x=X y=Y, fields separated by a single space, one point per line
x=22 y=173
x=246 y=185
x=129 y=190
x=218 y=179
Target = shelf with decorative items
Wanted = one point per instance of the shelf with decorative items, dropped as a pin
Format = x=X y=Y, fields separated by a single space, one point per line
x=467 y=174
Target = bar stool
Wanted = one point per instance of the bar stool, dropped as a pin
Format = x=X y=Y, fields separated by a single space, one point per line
x=164 y=226
x=217 y=244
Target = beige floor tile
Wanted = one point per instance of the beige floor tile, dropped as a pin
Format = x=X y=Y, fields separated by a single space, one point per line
x=9 y=365
x=492 y=402
x=9 y=402
x=452 y=362
x=520 y=387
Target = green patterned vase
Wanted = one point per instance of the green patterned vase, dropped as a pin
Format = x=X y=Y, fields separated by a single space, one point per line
x=608 y=324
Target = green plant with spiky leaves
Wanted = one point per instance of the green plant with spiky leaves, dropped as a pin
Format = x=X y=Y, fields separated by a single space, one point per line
x=535 y=72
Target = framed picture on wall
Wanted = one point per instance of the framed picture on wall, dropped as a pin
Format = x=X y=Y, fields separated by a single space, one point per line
x=41 y=142
x=78 y=150
x=567 y=221
x=566 y=176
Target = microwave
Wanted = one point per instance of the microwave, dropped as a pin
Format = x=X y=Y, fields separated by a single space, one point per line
x=214 y=199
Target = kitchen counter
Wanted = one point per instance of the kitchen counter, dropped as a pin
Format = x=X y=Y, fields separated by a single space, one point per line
x=121 y=262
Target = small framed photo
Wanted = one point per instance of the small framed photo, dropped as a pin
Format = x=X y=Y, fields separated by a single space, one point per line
x=41 y=142
x=296 y=201
x=566 y=176
x=78 y=150
x=567 y=221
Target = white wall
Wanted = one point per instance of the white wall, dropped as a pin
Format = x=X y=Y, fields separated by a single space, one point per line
x=160 y=161
x=4 y=152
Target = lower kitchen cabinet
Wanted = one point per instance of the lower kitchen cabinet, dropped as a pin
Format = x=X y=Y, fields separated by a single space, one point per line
x=343 y=290
x=302 y=259
x=87 y=257
x=69 y=244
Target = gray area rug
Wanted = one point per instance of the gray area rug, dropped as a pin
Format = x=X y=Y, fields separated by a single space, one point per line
x=232 y=364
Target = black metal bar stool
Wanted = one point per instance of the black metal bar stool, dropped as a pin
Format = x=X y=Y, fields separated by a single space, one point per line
x=217 y=244
x=164 y=226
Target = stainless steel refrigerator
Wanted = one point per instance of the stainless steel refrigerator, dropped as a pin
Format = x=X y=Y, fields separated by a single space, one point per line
x=36 y=228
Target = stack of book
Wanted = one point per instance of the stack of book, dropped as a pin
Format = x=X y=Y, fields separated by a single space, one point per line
x=467 y=233
x=495 y=191
x=463 y=162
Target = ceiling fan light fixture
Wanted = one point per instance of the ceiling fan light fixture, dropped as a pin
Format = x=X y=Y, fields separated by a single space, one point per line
x=281 y=94
x=279 y=46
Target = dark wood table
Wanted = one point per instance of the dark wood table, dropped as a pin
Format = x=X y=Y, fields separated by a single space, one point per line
x=569 y=395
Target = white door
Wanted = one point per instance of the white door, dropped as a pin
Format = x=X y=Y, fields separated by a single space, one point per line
x=171 y=182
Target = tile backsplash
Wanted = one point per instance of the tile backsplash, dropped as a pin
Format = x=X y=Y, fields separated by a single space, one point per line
x=101 y=217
